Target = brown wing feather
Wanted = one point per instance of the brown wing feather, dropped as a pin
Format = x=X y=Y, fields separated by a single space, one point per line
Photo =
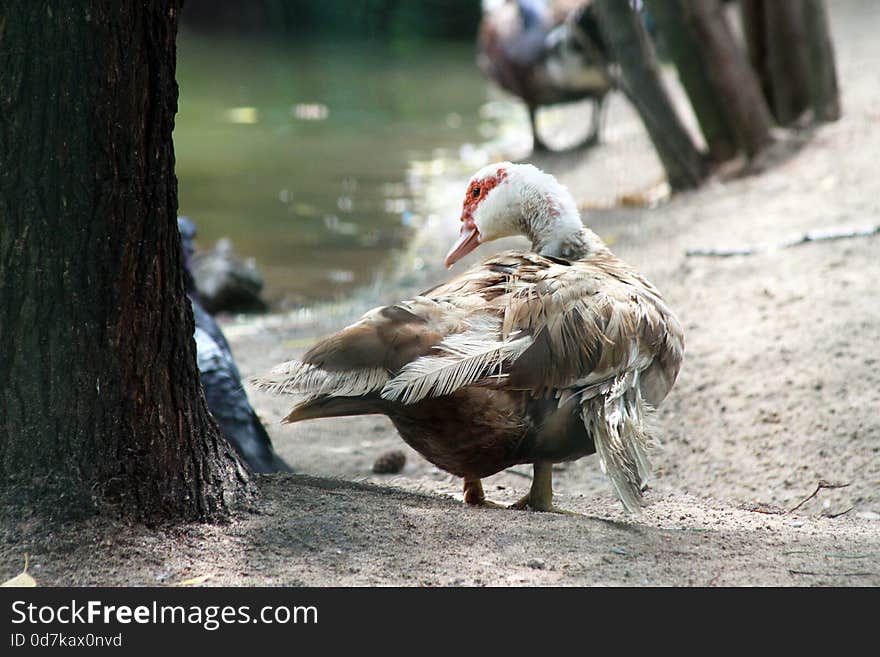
x=386 y=338
x=360 y=359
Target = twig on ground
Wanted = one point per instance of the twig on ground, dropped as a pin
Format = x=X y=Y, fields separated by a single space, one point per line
x=839 y=513
x=847 y=556
x=822 y=484
x=760 y=507
x=521 y=474
x=807 y=572
x=822 y=234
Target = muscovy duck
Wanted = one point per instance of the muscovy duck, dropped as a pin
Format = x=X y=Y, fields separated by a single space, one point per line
x=534 y=356
x=546 y=52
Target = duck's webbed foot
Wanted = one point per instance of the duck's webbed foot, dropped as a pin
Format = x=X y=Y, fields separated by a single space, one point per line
x=540 y=495
x=474 y=495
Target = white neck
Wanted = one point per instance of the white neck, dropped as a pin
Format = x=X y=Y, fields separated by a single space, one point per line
x=551 y=219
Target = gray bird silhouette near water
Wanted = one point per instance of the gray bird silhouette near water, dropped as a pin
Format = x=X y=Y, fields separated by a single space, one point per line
x=221 y=380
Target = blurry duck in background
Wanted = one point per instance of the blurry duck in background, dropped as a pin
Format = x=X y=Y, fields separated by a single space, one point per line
x=546 y=52
x=221 y=380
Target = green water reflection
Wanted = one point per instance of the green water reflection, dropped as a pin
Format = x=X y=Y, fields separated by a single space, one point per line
x=299 y=152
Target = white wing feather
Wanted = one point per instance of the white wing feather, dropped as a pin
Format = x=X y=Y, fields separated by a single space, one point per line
x=464 y=358
x=294 y=377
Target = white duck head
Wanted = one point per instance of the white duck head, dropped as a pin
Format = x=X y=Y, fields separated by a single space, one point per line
x=508 y=199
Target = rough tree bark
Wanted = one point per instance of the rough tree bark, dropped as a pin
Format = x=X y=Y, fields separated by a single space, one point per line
x=101 y=406
x=693 y=71
x=685 y=165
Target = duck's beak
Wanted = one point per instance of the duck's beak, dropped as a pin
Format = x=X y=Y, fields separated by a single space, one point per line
x=468 y=240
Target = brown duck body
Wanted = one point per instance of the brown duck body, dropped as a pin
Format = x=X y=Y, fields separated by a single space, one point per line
x=476 y=432
x=473 y=432
x=521 y=359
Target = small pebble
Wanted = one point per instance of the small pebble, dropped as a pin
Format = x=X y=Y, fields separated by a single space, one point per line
x=797 y=523
x=390 y=462
x=620 y=551
x=537 y=564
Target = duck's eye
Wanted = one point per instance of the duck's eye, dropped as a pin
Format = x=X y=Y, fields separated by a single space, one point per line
x=475 y=192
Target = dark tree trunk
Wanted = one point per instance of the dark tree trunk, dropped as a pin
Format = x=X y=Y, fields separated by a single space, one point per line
x=693 y=71
x=101 y=406
x=752 y=12
x=684 y=164
x=823 y=74
x=777 y=44
x=733 y=81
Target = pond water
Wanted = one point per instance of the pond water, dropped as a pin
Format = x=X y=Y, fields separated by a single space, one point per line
x=299 y=152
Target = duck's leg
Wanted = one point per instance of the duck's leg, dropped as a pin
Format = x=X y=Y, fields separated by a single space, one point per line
x=538 y=144
x=595 y=123
x=596 y=128
x=474 y=495
x=540 y=495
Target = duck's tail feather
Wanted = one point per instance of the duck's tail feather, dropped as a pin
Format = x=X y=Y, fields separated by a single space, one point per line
x=619 y=422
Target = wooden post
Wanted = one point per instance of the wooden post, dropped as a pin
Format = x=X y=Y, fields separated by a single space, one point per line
x=735 y=85
x=685 y=165
x=689 y=58
x=824 y=92
x=776 y=38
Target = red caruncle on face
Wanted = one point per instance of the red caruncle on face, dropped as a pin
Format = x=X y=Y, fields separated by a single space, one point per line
x=476 y=192
x=469 y=237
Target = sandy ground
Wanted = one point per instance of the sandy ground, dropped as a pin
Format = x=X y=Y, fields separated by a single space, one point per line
x=780 y=390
